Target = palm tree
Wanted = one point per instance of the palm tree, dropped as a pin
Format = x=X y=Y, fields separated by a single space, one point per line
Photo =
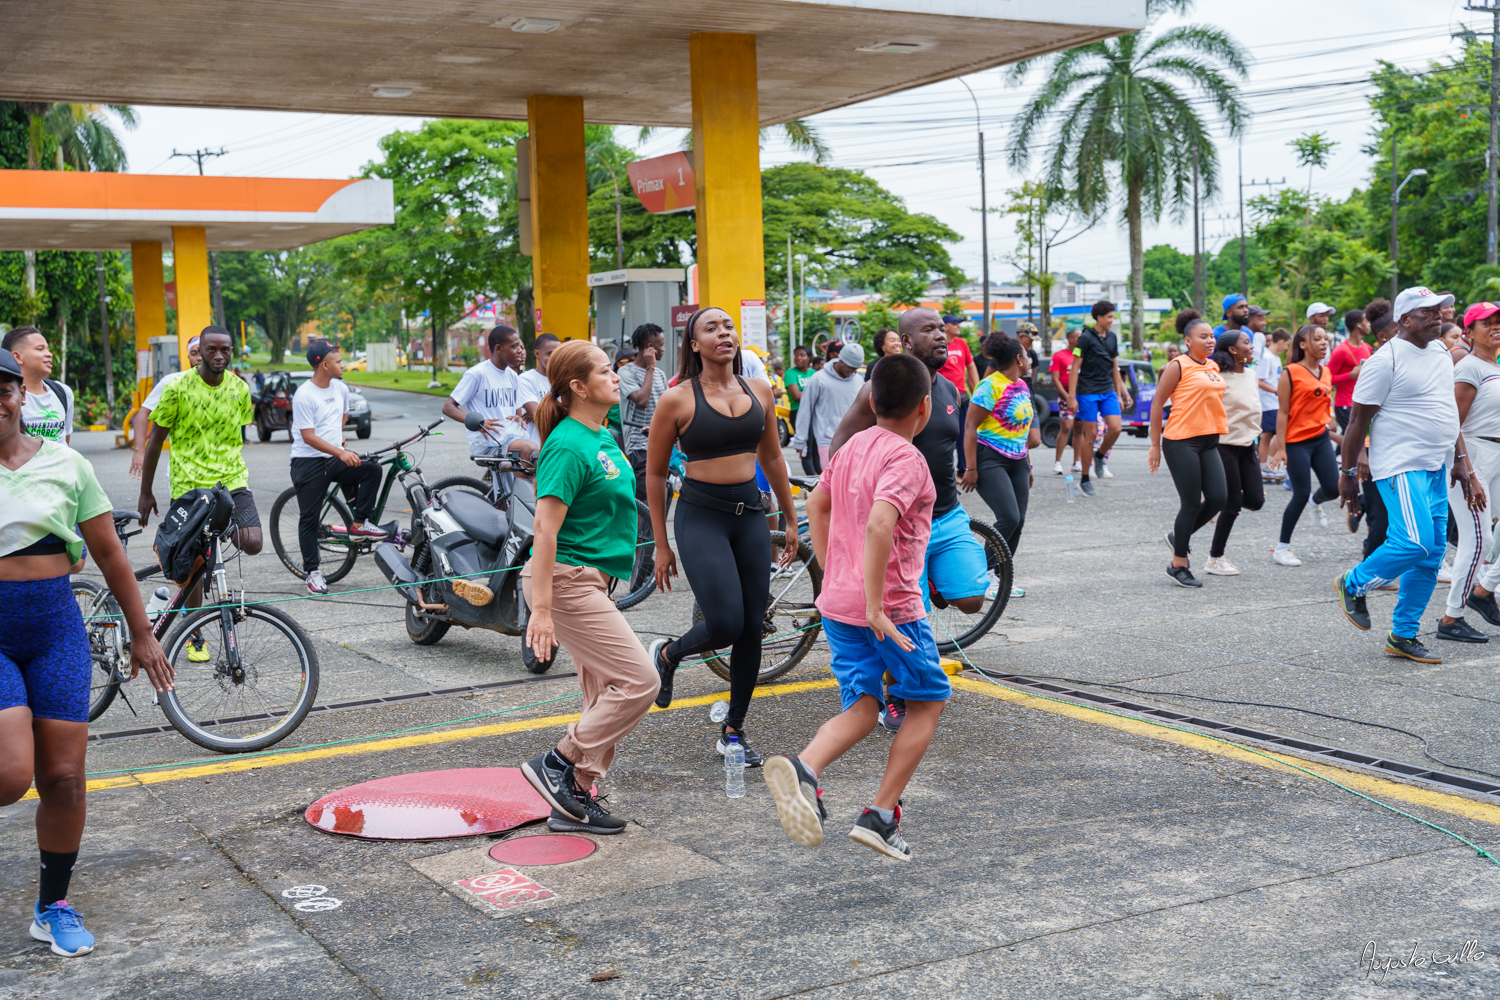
x=1117 y=104
x=801 y=134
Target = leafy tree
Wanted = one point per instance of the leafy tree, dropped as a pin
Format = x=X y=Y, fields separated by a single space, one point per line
x=276 y=290
x=1312 y=248
x=668 y=240
x=1312 y=151
x=905 y=290
x=1118 y=104
x=953 y=304
x=1167 y=273
x=849 y=228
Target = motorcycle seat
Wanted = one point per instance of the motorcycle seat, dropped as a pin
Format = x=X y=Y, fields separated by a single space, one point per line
x=478 y=519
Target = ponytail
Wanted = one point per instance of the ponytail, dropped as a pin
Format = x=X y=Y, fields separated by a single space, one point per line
x=573 y=360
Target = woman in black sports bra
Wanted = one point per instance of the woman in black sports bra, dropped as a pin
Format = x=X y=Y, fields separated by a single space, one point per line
x=723 y=423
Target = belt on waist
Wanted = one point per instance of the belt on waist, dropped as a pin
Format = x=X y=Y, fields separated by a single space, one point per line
x=698 y=498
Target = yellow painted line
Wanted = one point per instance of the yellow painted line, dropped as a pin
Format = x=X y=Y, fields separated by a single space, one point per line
x=1369 y=784
x=230 y=765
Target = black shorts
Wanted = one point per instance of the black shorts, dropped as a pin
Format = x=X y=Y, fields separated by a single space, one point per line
x=245 y=514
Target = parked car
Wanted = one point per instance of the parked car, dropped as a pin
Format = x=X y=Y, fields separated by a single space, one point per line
x=273 y=406
x=1139 y=375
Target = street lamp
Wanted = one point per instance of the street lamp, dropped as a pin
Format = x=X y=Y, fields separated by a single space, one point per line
x=1395 y=247
x=984 y=214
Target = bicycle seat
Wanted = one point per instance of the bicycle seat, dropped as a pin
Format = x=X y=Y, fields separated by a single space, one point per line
x=125 y=515
x=808 y=483
x=479 y=520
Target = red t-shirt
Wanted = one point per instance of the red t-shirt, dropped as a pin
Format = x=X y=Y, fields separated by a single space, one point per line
x=1343 y=361
x=959 y=360
x=1062 y=363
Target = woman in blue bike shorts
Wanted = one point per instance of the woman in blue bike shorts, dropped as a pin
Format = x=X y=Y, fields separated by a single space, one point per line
x=50 y=503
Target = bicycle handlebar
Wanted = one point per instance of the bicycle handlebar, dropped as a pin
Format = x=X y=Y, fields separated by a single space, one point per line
x=423 y=432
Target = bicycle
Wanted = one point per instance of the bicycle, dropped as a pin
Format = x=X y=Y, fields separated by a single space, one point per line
x=260 y=667
x=335 y=525
x=494 y=491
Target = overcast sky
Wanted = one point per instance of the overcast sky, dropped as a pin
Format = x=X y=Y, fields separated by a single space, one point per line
x=921 y=144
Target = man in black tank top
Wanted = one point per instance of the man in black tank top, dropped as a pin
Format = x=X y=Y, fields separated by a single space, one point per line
x=957 y=572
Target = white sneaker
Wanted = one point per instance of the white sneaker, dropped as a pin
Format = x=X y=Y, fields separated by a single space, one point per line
x=993 y=590
x=1105 y=474
x=1220 y=567
x=315 y=582
x=1445 y=575
x=1322 y=517
x=1285 y=557
x=1017 y=592
x=1077 y=466
x=1057 y=469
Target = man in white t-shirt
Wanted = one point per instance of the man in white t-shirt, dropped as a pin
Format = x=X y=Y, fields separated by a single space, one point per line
x=47 y=411
x=534 y=384
x=141 y=423
x=491 y=392
x=1404 y=400
x=319 y=458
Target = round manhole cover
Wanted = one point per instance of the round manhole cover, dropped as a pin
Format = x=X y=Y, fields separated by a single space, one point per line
x=545 y=849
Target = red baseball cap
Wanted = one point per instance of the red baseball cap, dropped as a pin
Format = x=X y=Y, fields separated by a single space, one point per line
x=1479 y=311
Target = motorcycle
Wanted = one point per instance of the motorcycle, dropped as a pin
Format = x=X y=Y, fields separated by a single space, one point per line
x=466 y=560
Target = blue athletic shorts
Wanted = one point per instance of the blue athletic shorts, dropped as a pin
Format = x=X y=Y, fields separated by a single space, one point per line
x=44 y=650
x=860 y=662
x=955 y=559
x=1268 y=421
x=1092 y=405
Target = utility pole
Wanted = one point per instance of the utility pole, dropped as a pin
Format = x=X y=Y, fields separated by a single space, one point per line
x=1198 y=291
x=984 y=211
x=1244 y=270
x=198 y=156
x=109 y=369
x=791 y=301
x=1492 y=160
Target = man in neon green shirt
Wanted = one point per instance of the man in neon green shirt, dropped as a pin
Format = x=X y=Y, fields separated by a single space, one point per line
x=203 y=412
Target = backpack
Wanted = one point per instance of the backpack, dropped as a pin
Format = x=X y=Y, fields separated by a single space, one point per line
x=182 y=537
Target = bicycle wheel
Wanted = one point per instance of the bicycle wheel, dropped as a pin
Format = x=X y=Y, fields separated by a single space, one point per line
x=338 y=555
x=643 y=574
x=109 y=637
x=955 y=630
x=255 y=706
x=465 y=484
x=792 y=623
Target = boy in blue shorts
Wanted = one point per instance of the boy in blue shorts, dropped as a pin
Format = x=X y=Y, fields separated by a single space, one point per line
x=871 y=517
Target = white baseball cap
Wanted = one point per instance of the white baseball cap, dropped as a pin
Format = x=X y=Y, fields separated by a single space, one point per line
x=1418 y=297
x=1318 y=307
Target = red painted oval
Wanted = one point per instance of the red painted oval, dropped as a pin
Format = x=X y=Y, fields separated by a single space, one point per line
x=543 y=849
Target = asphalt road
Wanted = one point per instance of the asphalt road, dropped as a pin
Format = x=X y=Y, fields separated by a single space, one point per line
x=1058 y=851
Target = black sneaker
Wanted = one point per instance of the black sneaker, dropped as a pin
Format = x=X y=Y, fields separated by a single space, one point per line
x=893 y=716
x=664 y=670
x=1353 y=606
x=1098 y=465
x=799 y=803
x=597 y=819
x=752 y=759
x=1087 y=489
x=1459 y=630
x=552 y=777
x=1182 y=576
x=1485 y=605
x=880 y=836
x=1409 y=648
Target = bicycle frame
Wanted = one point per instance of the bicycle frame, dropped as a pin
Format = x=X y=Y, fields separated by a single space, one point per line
x=395 y=466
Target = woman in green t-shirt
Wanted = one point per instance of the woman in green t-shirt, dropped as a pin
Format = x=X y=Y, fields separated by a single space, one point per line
x=50 y=504
x=584 y=536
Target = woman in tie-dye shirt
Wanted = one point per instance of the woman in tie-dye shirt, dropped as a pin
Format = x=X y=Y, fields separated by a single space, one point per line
x=1000 y=429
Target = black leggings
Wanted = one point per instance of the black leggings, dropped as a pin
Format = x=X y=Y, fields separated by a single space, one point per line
x=1198 y=474
x=727 y=559
x=1245 y=490
x=311 y=477
x=1005 y=486
x=1315 y=454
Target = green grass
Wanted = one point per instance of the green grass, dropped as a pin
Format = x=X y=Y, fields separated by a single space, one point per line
x=408 y=381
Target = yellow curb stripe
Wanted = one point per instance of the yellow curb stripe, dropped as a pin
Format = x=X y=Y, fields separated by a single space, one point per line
x=1369 y=784
x=232 y=764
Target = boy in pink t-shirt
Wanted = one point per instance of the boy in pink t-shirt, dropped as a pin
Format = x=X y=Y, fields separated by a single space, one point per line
x=871 y=517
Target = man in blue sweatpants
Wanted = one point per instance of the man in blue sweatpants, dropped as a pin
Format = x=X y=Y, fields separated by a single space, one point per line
x=1404 y=401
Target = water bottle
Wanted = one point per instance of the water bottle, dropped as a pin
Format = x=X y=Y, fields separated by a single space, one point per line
x=1072 y=487
x=718 y=711
x=734 y=769
x=159 y=601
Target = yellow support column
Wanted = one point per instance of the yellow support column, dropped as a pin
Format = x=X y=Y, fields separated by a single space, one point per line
x=559 y=215
x=150 y=320
x=726 y=159
x=190 y=269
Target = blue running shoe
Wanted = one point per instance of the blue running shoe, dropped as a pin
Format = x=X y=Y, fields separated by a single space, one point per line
x=62 y=927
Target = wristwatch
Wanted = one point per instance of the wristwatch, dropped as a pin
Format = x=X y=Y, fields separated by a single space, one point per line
x=1351 y=473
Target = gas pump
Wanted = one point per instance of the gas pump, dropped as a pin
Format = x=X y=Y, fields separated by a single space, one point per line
x=625 y=299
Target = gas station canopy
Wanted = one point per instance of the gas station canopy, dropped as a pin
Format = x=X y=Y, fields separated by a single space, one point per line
x=72 y=210
x=464 y=59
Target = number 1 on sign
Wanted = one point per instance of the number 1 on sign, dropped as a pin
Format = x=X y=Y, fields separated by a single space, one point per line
x=680 y=181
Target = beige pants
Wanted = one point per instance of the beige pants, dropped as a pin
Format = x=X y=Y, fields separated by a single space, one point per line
x=618 y=681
